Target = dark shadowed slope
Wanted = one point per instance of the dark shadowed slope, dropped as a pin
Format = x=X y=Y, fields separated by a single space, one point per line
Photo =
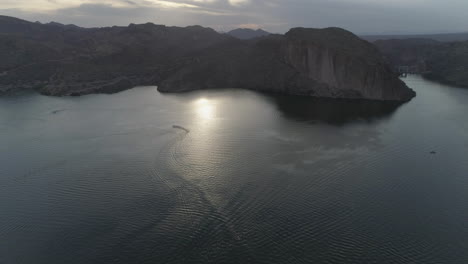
x=444 y=62
x=449 y=64
x=408 y=52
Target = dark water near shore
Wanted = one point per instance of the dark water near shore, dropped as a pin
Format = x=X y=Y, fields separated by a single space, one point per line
x=257 y=179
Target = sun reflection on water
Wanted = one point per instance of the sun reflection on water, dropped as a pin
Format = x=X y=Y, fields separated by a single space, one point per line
x=205 y=109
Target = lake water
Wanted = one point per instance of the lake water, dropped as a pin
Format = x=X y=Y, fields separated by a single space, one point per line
x=246 y=178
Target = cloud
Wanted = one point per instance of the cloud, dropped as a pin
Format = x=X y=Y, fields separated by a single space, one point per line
x=361 y=16
x=238 y=2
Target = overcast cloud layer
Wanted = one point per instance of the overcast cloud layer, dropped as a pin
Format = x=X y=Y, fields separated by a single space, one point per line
x=359 y=16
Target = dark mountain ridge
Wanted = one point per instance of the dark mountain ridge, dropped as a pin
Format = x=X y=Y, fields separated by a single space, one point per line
x=67 y=60
x=247 y=33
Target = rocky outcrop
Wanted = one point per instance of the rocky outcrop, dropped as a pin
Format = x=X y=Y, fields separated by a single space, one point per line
x=67 y=60
x=329 y=62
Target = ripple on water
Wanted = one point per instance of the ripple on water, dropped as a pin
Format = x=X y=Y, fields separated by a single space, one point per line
x=249 y=183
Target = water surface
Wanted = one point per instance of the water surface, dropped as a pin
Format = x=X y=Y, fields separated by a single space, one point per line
x=233 y=176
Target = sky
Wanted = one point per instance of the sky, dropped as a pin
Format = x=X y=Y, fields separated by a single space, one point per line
x=359 y=16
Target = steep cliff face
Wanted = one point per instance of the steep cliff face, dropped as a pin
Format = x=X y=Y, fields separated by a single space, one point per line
x=316 y=62
x=343 y=65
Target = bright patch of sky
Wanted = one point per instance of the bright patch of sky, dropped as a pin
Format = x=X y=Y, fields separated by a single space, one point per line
x=360 y=16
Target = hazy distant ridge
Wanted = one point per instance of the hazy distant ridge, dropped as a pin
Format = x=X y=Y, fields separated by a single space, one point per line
x=246 y=33
x=445 y=37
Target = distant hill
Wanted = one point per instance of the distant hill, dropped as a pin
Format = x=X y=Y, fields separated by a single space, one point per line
x=447 y=37
x=246 y=33
x=441 y=61
x=409 y=52
x=449 y=63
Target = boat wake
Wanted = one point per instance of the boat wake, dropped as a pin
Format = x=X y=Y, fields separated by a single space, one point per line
x=181 y=128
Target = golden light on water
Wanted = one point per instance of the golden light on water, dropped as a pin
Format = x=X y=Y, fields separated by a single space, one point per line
x=205 y=109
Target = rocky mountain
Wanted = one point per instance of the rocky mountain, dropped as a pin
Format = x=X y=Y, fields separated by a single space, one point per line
x=247 y=33
x=328 y=62
x=60 y=60
x=67 y=60
x=440 y=61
